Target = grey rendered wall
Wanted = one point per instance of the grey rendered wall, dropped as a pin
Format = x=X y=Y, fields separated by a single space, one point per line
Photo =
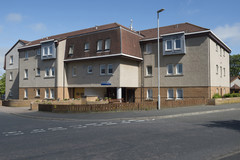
x=195 y=65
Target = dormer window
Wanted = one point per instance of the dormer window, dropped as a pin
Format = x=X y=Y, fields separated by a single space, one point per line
x=99 y=45
x=50 y=48
x=86 y=47
x=107 y=44
x=174 y=44
x=70 y=52
x=177 y=44
x=45 y=51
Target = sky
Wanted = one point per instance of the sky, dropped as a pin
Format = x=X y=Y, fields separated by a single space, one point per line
x=31 y=20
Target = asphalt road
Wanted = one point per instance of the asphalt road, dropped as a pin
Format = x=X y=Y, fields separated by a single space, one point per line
x=206 y=136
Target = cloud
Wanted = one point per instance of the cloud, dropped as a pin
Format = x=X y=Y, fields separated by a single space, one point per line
x=229 y=33
x=38 y=27
x=14 y=17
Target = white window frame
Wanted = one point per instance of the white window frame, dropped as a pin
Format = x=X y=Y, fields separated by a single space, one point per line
x=47 y=70
x=26 y=55
x=90 y=69
x=168 y=69
x=147 y=71
x=104 y=67
x=71 y=50
x=11 y=60
x=177 y=94
x=168 y=96
x=166 y=45
x=26 y=93
x=50 y=50
x=52 y=94
x=149 y=94
x=107 y=45
x=26 y=73
x=110 y=66
x=11 y=76
x=99 y=45
x=38 y=94
x=46 y=93
x=177 y=68
x=45 y=51
x=52 y=71
x=38 y=69
x=86 y=46
x=148 y=48
x=74 y=71
x=175 y=44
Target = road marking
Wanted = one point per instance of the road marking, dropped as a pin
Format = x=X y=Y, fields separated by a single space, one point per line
x=78 y=126
x=13 y=133
x=140 y=120
x=91 y=124
x=110 y=123
x=125 y=121
x=37 y=131
x=57 y=129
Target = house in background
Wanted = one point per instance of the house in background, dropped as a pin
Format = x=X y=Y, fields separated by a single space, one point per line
x=11 y=66
x=115 y=61
x=235 y=84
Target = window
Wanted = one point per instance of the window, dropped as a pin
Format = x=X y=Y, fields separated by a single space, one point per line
x=52 y=93
x=168 y=45
x=38 y=72
x=149 y=94
x=216 y=48
x=10 y=93
x=74 y=71
x=216 y=69
x=25 y=93
x=223 y=53
x=148 y=48
x=50 y=48
x=70 y=50
x=179 y=69
x=46 y=93
x=179 y=94
x=26 y=55
x=26 y=73
x=224 y=72
x=169 y=69
x=47 y=72
x=45 y=51
x=52 y=71
x=89 y=70
x=86 y=47
x=217 y=90
x=99 y=45
x=221 y=72
x=149 y=71
x=170 y=94
x=37 y=92
x=110 y=69
x=177 y=44
x=38 y=52
x=11 y=76
x=220 y=52
x=102 y=69
x=11 y=60
x=107 y=44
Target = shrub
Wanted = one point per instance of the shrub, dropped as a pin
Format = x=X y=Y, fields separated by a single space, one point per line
x=217 y=96
x=227 y=95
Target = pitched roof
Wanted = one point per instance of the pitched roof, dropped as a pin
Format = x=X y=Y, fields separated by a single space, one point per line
x=235 y=87
x=78 y=32
x=186 y=27
x=233 y=78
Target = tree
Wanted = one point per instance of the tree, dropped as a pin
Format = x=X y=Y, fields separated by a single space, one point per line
x=234 y=65
x=2 y=85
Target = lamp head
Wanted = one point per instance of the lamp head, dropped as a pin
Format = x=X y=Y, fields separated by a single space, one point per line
x=160 y=10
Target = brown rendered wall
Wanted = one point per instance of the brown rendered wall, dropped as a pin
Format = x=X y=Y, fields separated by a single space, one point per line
x=79 y=41
x=191 y=96
x=62 y=93
x=220 y=90
x=130 y=43
x=32 y=93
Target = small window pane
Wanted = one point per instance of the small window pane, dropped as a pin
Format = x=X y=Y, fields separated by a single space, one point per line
x=26 y=55
x=107 y=44
x=102 y=69
x=45 y=51
x=70 y=50
x=52 y=93
x=149 y=94
x=47 y=72
x=89 y=69
x=177 y=44
x=148 y=48
x=179 y=69
x=26 y=73
x=170 y=69
x=110 y=69
x=149 y=70
x=46 y=93
x=38 y=72
x=25 y=93
x=38 y=92
x=74 y=71
x=86 y=46
x=179 y=94
x=99 y=45
x=50 y=50
x=168 y=45
x=170 y=94
x=11 y=60
x=53 y=71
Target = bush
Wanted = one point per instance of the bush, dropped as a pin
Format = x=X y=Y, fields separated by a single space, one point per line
x=217 y=96
x=227 y=95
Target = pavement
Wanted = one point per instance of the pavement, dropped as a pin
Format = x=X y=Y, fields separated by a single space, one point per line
x=126 y=115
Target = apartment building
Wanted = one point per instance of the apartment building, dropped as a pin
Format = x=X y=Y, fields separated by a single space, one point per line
x=114 y=61
x=12 y=71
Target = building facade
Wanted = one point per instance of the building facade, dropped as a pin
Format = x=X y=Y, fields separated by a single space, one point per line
x=116 y=62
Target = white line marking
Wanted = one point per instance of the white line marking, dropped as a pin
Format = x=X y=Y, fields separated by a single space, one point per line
x=37 y=131
x=13 y=133
x=78 y=126
x=57 y=129
x=91 y=124
x=140 y=120
x=125 y=121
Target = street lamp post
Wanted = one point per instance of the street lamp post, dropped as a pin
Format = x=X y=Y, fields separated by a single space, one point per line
x=159 y=98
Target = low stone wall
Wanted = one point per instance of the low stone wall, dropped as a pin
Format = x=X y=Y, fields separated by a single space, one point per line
x=184 y=102
x=61 y=108
x=219 y=101
x=16 y=103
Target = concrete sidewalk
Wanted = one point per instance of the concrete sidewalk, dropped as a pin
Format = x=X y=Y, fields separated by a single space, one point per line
x=101 y=116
